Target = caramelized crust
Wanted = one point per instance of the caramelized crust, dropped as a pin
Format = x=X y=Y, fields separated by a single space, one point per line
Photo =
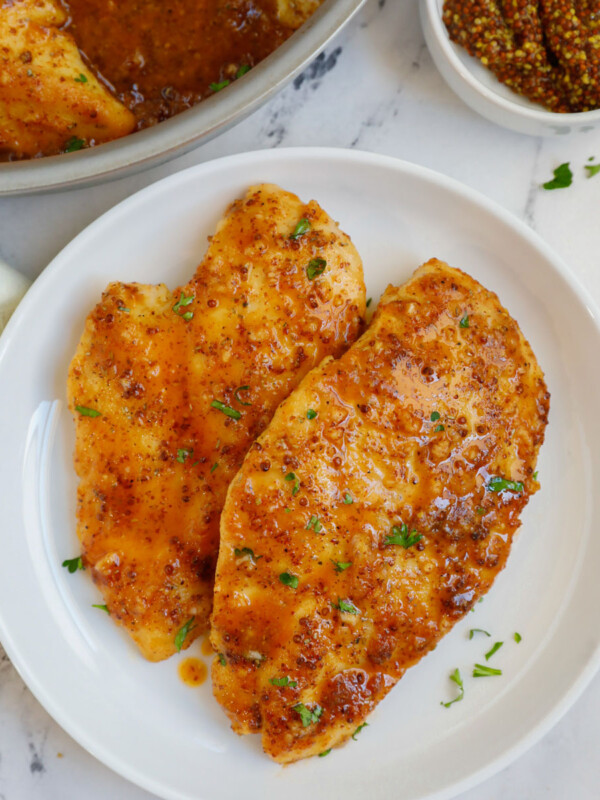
x=155 y=466
x=395 y=530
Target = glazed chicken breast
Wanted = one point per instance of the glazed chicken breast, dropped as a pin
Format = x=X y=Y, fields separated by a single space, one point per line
x=49 y=99
x=374 y=511
x=169 y=390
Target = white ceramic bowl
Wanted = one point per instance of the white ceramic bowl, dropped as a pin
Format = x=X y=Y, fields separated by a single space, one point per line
x=184 y=131
x=480 y=89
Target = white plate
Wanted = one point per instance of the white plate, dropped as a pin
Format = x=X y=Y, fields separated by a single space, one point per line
x=139 y=718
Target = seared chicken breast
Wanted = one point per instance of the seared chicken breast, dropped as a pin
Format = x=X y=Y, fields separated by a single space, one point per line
x=169 y=390
x=50 y=101
x=294 y=13
x=375 y=510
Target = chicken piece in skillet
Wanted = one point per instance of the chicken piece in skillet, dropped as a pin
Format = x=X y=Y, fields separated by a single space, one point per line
x=373 y=512
x=169 y=390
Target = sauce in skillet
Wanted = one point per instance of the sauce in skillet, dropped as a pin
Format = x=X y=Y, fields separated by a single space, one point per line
x=162 y=56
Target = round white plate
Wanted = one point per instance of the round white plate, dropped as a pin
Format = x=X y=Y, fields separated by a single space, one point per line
x=139 y=718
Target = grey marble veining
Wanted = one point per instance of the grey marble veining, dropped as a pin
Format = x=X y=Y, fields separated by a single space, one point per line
x=374 y=88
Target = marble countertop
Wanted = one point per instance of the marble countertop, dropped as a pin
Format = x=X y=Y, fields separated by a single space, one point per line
x=375 y=88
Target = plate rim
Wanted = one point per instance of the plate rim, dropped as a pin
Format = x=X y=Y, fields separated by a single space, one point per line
x=110 y=758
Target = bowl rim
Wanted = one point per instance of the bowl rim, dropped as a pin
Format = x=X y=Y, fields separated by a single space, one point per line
x=532 y=111
x=187 y=130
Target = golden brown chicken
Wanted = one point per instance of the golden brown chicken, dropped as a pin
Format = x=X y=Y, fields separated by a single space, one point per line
x=373 y=512
x=170 y=389
x=49 y=100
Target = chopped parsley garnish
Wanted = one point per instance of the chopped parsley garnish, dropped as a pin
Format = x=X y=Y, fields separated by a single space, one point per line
x=481 y=671
x=182 y=633
x=311 y=413
x=439 y=429
x=291 y=476
x=216 y=87
x=348 y=499
x=464 y=323
x=456 y=677
x=316 y=267
x=81 y=78
x=284 y=682
x=301 y=228
x=340 y=566
x=479 y=510
x=307 y=716
x=243 y=70
x=535 y=474
x=213 y=468
x=222 y=660
x=313 y=523
x=517 y=637
x=74 y=144
x=563 y=177
x=473 y=631
x=73 y=564
x=236 y=394
x=101 y=606
x=243 y=552
x=498 y=484
x=227 y=410
x=289 y=580
x=346 y=606
x=183 y=301
x=183 y=454
x=87 y=412
x=401 y=536
x=494 y=649
x=359 y=729
x=435 y=415
x=325 y=753
x=592 y=169
x=369 y=301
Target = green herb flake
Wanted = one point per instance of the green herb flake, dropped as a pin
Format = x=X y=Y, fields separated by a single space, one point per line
x=73 y=564
x=216 y=87
x=592 y=169
x=285 y=682
x=101 y=606
x=464 y=323
x=236 y=394
x=325 y=753
x=74 y=144
x=212 y=469
x=289 y=580
x=348 y=499
x=481 y=671
x=456 y=677
x=439 y=429
x=498 y=484
x=184 y=300
x=435 y=415
x=346 y=606
x=517 y=637
x=243 y=70
x=183 y=454
x=495 y=648
x=87 y=412
x=563 y=177
x=311 y=414
x=182 y=633
x=535 y=475
x=222 y=660
x=307 y=716
x=359 y=729
x=340 y=566
x=291 y=476
x=316 y=267
x=81 y=79
x=480 y=510
x=313 y=523
x=473 y=631
x=301 y=228
x=369 y=301
x=401 y=536
x=245 y=552
x=227 y=410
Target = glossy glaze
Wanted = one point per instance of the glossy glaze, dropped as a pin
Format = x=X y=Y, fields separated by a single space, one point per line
x=155 y=466
x=372 y=459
